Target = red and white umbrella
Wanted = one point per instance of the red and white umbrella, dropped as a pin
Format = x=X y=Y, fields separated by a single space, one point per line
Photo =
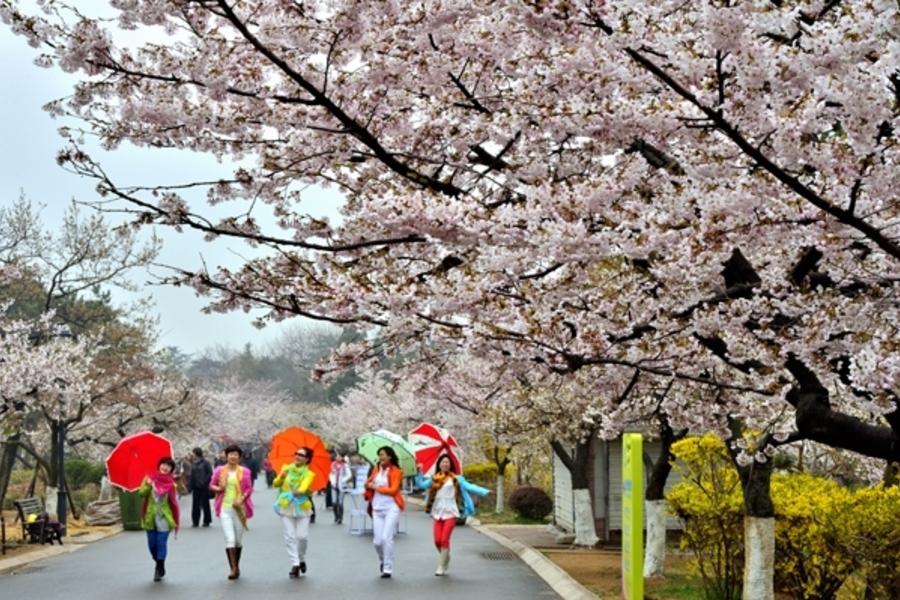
x=430 y=442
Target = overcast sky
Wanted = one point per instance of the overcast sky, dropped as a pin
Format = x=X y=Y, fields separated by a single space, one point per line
x=27 y=164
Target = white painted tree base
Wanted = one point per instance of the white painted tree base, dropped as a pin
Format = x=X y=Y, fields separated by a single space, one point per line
x=655 y=552
x=585 y=532
x=498 y=507
x=50 y=505
x=759 y=560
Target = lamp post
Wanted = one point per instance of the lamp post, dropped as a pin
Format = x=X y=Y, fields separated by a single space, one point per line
x=60 y=457
x=61 y=469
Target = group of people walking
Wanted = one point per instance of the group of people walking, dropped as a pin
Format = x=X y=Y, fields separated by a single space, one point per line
x=448 y=498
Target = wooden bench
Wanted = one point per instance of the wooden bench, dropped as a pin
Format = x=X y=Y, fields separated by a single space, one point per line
x=41 y=530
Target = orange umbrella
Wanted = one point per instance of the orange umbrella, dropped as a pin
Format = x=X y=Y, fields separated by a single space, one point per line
x=287 y=441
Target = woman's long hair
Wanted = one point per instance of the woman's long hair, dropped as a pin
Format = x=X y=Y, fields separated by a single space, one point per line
x=391 y=454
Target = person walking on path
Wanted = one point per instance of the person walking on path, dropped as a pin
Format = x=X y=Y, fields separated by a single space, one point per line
x=385 y=501
x=360 y=470
x=340 y=478
x=159 y=513
x=327 y=490
x=200 y=476
x=234 y=505
x=294 y=506
x=449 y=498
x=183 y=475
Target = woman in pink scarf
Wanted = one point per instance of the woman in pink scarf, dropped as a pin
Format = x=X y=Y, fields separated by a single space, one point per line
x=159 y=512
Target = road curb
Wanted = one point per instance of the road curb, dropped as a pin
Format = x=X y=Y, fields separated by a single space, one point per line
x=72 y=544
x=561 y=582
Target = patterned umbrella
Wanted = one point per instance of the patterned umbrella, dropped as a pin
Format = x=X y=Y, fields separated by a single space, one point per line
x=287 y=441
x=135 y=457
x=368 y=444
x=429 y=442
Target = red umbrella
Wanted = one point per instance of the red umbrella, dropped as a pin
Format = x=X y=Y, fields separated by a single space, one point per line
x=287 y=441
x=430 y=442
x=135 y=457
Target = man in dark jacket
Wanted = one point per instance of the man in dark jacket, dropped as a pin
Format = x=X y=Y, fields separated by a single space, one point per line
x=201 y=473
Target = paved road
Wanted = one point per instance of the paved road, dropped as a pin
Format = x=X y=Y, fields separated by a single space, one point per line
x=340 y=566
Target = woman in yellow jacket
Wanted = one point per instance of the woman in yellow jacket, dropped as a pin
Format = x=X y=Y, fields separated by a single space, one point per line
x=294 y=505
x=386 y=502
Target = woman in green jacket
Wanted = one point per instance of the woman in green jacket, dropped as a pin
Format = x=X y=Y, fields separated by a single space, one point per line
x=159 y=512
x=294 y=505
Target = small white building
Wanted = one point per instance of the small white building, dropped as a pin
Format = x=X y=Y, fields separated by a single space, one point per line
x=605 y=486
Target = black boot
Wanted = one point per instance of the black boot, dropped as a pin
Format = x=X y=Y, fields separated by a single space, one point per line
x=157 y=574
x=237 y=559
x=161 y=567
x=232 y=563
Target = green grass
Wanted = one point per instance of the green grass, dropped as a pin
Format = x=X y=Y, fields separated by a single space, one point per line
x=679 y=587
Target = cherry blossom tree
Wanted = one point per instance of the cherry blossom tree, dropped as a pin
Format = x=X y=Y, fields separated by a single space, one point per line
x=240 y=410
x=50 y=378
x=698 y=192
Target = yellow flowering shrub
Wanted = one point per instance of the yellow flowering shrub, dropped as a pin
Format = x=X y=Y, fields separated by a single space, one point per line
x=709 y=503
x=485 y=475
x=825 y=534
x=808 y=518
x=870 y=535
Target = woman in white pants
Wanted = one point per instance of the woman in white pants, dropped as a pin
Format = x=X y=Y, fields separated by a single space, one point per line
x=294 y=505
x=386 y=501
x=233 y=487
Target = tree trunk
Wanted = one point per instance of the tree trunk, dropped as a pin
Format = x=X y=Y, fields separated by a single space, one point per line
x=759 y=531
x=7 y=462
x=53 y=463
x=891 y=474
x=498 y=507
x=759 y=558
x=655 y=550
x=655 y=503
x=578 y=465
x=501 y=463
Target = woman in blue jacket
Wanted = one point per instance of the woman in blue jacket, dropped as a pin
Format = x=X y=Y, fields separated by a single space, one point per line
x=449 y=498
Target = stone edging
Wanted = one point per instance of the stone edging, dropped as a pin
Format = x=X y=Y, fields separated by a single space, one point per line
x=71 y=544
x=561 y=582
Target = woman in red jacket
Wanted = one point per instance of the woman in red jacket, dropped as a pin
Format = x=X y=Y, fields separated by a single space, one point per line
x=386 y=502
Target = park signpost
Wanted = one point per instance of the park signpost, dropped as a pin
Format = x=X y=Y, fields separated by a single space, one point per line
x=632 y=517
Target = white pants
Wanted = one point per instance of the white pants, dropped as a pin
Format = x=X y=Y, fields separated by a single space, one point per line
x=384 y=527
x=231 y=527
x=296 y=535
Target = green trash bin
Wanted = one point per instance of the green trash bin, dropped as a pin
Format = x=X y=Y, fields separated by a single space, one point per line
x=130 y=507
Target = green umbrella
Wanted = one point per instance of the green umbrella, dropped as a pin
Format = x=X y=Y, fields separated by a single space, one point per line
x=368 y=444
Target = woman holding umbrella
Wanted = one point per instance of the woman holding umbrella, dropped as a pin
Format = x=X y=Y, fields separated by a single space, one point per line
x=449 y=498
x=232 y=485
x=386 y=502
x=159 y=512
x=294 y=505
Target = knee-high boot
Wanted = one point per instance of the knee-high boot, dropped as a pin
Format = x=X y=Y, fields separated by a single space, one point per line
x=443 y=562
x=231 y=553
x=237 y=559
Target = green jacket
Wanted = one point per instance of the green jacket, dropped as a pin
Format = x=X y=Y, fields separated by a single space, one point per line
x=148 y=510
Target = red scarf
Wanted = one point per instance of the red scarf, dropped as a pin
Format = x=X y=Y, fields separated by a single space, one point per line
x=162 y=483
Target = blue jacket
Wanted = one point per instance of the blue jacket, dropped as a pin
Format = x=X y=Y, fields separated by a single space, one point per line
x=466 y=487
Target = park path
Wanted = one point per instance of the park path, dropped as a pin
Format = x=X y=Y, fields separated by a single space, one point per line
x=341 y=566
